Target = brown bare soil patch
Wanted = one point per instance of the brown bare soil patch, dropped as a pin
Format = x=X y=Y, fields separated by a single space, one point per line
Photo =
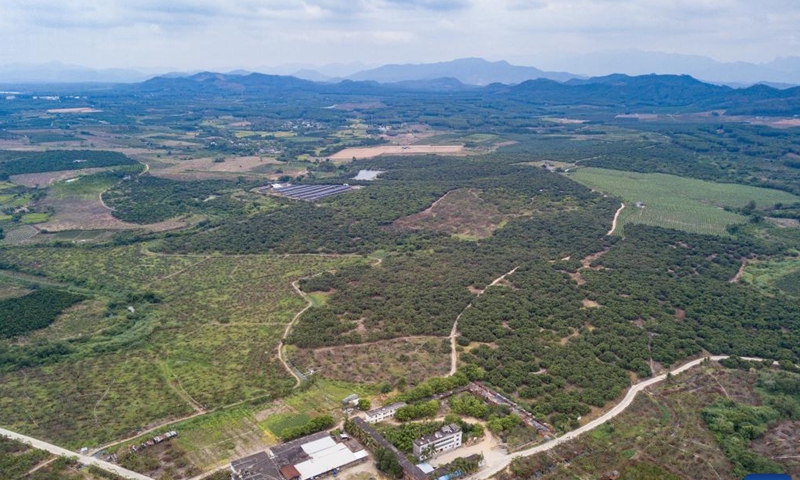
x=359 y=106
x=12 y=291
x=207 y=164
x=412 y=358
x=680 y=314
x=74 y=110
x=348 y=154
x=49 y=178
x=781 y=443
x=590 y=303
x=566 y=121
x=75 y=213
x=784 y=222
x=459 y=212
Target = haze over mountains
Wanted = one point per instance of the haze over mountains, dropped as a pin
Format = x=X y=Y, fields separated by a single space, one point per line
x=780 y=73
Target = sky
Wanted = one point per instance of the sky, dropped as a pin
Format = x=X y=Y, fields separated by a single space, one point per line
x=228 y=34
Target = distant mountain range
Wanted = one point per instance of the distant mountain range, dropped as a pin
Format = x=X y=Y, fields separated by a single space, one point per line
x=470 y=71
x=780 y=73
x=617 y=92
x=56 y=72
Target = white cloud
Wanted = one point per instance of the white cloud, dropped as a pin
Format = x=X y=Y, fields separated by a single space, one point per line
x=251 y=33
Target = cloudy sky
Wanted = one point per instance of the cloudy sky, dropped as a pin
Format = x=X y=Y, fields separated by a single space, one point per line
x=226 y=34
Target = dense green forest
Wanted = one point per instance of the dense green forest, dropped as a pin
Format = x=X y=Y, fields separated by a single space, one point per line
x=581 y=311
x=147 y=199
x=36 y=310
x=16 y=163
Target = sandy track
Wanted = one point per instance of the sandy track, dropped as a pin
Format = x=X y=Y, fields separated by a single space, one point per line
x=288 y=330
x=454 y=330
x=616 y=410
x=62 y=452
x=616 y=219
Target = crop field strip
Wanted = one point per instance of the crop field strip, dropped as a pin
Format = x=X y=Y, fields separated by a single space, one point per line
x=311 y=192
x=669 y=201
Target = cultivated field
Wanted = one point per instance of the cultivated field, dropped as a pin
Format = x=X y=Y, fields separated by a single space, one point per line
x=675 y=202
x=211 y=339
x=214 y=439
x=348 y=154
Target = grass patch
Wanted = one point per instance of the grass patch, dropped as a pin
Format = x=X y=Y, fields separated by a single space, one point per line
x=32 y=218
x=675 y=202
x=279 y=423
x=774 y=276
x=318 y=299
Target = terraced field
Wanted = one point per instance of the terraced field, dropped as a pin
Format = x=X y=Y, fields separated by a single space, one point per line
x=669 y=201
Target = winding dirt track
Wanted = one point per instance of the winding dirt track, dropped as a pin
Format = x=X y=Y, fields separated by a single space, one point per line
x=454 y=330
x=616 y=218
x=288 y=330
x=62 y=452
x=618 y=408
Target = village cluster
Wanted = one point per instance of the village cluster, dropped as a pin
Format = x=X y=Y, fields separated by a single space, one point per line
x=328 y=453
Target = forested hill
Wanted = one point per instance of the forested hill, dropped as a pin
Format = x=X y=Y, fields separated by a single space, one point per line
x=617 y=92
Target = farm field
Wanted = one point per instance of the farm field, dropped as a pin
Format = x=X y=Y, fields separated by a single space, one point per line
x=213 y=439
x=686 y=204
x=208 y=340
x=348 y=154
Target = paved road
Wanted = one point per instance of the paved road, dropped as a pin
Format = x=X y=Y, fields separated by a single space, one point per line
x=619 y=408
x=125 y=473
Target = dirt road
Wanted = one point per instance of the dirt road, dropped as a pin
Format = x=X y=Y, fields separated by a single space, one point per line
x=454 y=330
x=616 y=218
x=55 y=450
x=618 y=408
x=288 y=330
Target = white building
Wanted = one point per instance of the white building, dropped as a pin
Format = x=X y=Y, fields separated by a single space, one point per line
x=380 y=414
x=448 y=438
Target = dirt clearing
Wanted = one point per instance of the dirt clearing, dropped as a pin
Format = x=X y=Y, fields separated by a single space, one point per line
x=459 y=212
x=413 y=358
x=74 y=110
x=76 y=213
x=208 y=164
x=371 y=152
x=49 y=178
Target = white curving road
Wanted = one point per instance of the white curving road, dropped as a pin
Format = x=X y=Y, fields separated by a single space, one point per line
x=616 y=218
x=618 y=408
x=86 y=460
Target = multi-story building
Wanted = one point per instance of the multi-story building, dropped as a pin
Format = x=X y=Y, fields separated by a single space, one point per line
x=448 y=438
x=380 y=414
